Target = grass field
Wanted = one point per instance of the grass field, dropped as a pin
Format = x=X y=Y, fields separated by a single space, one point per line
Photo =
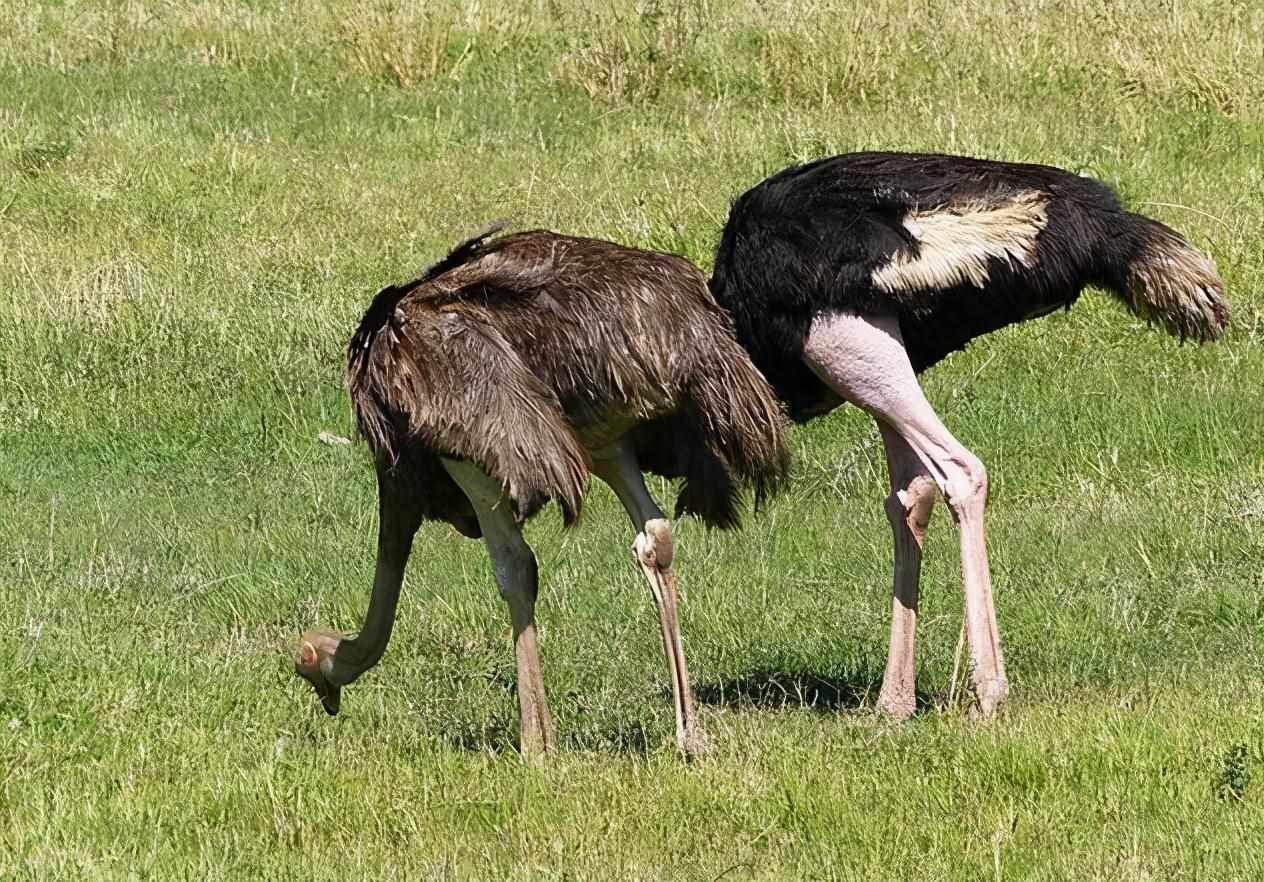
x=198 y=199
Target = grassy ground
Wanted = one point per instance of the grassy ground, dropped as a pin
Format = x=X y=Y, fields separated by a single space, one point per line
x=196 y=201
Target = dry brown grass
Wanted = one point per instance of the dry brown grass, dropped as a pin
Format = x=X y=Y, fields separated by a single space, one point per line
x=405 y=44
x=633 y=55
x=1204 y=52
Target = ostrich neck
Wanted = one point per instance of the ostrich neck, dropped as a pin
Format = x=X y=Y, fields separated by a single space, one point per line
x=355 y=655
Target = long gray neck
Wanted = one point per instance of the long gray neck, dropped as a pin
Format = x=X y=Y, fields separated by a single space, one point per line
x=356 y=655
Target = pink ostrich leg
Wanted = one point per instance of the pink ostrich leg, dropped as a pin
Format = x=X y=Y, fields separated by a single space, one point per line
x=862 y=358
x=517 y=575
x=654 y=551
x=908 y=509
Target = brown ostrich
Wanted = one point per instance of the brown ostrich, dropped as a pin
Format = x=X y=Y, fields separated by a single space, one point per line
x=500 y=379
x=848 y=276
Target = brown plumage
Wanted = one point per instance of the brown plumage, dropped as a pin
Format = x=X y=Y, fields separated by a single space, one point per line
x=508 y=373
x=525 y=354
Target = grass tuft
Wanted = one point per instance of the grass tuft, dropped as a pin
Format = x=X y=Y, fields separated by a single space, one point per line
x=1235 y=774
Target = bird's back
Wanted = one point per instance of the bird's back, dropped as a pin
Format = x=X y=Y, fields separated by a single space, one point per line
x=954 y=246
x=615 y=333
x=588 y=339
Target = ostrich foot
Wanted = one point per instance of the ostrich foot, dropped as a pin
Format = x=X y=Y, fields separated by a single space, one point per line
x=897 y=703
x=694 y=741
x=536 y=734
x=535 y=722
x=989 y=696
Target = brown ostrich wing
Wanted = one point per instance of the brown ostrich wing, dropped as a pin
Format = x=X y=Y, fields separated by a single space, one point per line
x=445 y=377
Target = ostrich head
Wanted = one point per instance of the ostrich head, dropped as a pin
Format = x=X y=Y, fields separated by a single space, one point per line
x=315 y=664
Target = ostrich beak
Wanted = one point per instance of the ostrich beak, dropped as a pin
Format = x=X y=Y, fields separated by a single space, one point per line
x=332 y=700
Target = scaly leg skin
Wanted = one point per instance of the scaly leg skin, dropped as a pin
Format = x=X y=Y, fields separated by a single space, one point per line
x=517 y=574
x=908 y=508
x=536 y=727
x=654 y=551
x=862 y=358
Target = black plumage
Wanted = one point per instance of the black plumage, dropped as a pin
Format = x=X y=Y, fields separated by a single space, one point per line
x=820 y=236
x=848 y=276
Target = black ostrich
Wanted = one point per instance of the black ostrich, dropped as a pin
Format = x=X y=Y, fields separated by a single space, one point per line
x=848 y=276
x=507 y=374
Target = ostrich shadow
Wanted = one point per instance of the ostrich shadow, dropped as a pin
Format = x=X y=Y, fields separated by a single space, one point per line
x=632 y=736
x=495 y=737
x=774 y=689
x=762 y=689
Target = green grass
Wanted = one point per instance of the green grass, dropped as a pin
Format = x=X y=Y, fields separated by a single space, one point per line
x=197 y=201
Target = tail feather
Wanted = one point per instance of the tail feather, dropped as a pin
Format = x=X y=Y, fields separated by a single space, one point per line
x=742 y=430
x=463 y=250
x=1164 y=279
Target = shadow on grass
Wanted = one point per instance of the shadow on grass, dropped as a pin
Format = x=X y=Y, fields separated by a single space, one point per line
x=763 y=689
x=497 y=737
x=625 y=738
x=808 y=690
